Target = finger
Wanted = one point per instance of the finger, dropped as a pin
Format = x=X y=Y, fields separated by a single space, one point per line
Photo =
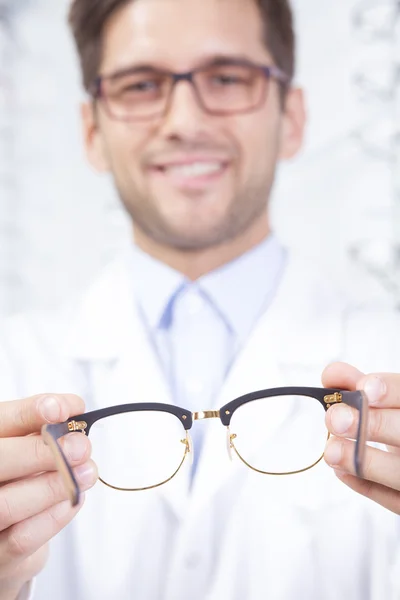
x=15 y=574
x=341 y=375
x=379 y=466
x=22 y=417
x=382 y=389
x=383 y=424
x=21 y=457
x=26 y=537
x=394 y=449
x=24 y=499
x=381 y=494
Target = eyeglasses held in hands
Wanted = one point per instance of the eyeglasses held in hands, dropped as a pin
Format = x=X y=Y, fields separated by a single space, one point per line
x=140 y=446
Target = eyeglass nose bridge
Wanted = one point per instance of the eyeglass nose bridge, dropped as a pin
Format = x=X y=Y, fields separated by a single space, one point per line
x=206 y=414
x=188 y=76
x=216 y=414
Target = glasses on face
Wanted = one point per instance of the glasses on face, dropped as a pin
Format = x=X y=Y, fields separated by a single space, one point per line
x=141 y=446
x=221 y=88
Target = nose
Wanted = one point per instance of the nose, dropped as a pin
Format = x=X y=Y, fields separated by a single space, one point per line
x=185 y=118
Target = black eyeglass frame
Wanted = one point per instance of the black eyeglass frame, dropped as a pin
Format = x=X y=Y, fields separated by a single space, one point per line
x=268 y=71
x=325 y=396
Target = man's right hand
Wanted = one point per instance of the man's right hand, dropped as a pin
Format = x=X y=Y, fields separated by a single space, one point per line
x=33 y=502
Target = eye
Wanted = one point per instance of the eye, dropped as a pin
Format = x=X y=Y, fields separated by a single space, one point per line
x=141 y=86
x=225 y=79
x=234 y=76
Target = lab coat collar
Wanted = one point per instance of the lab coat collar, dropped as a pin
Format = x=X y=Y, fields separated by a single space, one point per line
x=101 y=324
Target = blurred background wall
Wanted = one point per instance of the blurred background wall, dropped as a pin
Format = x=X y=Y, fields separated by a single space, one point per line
x=59 y=221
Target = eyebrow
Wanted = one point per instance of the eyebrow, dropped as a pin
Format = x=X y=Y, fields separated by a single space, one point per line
x=212 y=60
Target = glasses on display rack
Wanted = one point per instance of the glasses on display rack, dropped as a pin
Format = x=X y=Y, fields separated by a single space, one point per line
x=141 y=446
x=222 y=87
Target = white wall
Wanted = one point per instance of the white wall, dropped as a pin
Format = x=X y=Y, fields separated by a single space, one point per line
x=59 y=221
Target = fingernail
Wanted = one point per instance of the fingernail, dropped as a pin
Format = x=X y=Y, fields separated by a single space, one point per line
x=86 y=474
x=375 y=390
x=50 y=409
x=333 y=453
x=75 y=446
x=341 y=418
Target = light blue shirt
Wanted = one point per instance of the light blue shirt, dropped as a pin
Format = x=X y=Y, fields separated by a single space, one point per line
x=197 y=328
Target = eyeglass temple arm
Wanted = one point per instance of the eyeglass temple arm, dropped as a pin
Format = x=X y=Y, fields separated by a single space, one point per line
x=355 y=399
x=278 y=74
x=51 y=434
x=359 y=401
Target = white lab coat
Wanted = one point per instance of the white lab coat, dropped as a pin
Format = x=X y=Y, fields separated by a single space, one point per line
x=237 y=535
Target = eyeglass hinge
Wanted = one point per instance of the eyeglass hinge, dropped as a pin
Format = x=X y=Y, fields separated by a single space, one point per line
x=77 y=426
x=333 y=398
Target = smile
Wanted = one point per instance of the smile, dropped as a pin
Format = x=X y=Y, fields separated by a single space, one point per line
x=195 y=169
x=195 y=175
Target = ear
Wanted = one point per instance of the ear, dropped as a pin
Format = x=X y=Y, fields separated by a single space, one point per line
x=293 y=124
x=94 y=144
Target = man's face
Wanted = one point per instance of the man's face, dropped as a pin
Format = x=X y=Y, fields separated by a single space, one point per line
x=189 y=179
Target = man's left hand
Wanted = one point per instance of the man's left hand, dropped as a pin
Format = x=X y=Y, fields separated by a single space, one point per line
x=382 y=466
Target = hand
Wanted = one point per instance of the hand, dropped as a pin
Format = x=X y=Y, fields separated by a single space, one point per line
x=33 y=501
x=382 y=466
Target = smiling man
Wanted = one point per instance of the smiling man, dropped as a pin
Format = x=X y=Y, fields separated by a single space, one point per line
x=191 y=106
x=191 y=130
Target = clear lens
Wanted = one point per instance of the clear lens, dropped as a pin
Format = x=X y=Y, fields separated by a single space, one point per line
x=230 y=87
x=282 y=434
x=138 y=450
x=137 y=95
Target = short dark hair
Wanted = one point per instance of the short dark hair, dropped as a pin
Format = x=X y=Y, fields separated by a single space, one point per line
x=88 y=19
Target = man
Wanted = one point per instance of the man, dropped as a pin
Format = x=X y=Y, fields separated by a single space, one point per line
x=191 y=107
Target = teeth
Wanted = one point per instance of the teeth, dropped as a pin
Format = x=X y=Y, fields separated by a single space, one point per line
x=194 y=169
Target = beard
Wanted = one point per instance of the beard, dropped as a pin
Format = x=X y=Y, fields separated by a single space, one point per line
x=196 y=231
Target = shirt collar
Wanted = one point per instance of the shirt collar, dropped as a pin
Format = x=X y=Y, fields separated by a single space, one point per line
x=241 y=288
x=155 y=284
x=238 y=290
